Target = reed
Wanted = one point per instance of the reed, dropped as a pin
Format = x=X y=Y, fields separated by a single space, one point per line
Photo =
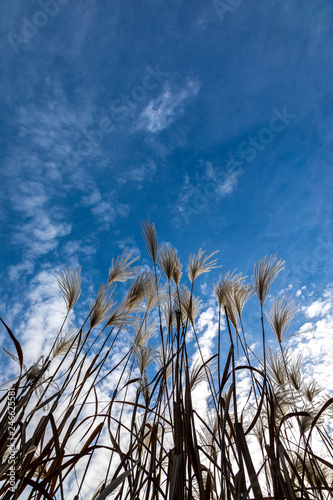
x=149 y=438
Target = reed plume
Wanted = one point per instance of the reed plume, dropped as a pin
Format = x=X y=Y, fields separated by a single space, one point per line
x=177 y=270
x=224 y=289
x=265 y=272
x=99 y=311
x=121 y=269
x=241 y=294
x=69 y=282
x=136 y=292
x=190 y=306
x=65 y=343
x=169 y=262
x=150 y=237
x=199 y=264
x=311 y=390
x=280 y=316
x=276 y=366
x=166 y=259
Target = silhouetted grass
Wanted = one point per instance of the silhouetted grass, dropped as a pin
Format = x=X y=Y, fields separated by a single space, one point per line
x=158 y=445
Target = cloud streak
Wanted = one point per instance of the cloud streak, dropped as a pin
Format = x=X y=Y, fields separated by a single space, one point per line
x=165 y=109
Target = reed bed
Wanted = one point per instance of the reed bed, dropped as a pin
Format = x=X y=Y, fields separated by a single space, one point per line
x=150 y=439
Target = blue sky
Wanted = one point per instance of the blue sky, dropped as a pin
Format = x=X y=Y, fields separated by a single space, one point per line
x=213 y=119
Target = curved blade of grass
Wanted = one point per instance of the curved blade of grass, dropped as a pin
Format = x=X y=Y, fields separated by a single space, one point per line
x=112 y=486
x=16 y=343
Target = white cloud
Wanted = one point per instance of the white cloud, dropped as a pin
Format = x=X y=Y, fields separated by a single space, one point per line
x=210 y=182
x=105 y=210
x=40 y=228
x=166 y=108
x=15 y=272
x=314 y=342
x=140 y=174
x=41 y=234
x=73 y=248
x=207 y=331
x=319 y=307
x=226 y=180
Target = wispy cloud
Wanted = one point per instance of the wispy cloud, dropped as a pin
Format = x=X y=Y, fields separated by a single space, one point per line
x=166 y=108
x=139 y=174
x=41 y=212
x=39 y=227
x=41 y=235
x=210 y=182
x=314 y=342
x=106 y=210
x=208 y=326
x=225 y=180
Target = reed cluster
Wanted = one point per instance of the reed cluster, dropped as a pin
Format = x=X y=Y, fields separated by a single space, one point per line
x=271 y=443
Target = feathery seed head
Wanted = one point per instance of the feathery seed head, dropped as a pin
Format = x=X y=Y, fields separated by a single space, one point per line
x=69 y=282
x=143 y=332
x=65 y=343
x=169 y=313
x=160 y=360
x=295 y=373
x=208 y=436
x=149 y=235
x=316 y=473
x=311 y=390
x=259 y=432
x=276 y=366
x=152 y=294
x=198 y=264
x=165 y=258
x=119 y=318
x=145 y=388
x=35 y=370
x=230 y=293
x=241 y=294
x=224 y=289
x=233 y=314
x=198 y=373
x=136 y=292
x=177 y=270
x=280 y=317
x=144 y=355
x=305 y=421
x=120 y=269
x=189 y=305
x=99 y=311
x=282 y=401
x=169 y=262
x=265 y=273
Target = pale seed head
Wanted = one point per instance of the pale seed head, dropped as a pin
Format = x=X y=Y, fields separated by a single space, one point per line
x=69 y=282
x=120 y=269
x=99 y=311
x=265 y=273
x=149 y=235
x=199 y=264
